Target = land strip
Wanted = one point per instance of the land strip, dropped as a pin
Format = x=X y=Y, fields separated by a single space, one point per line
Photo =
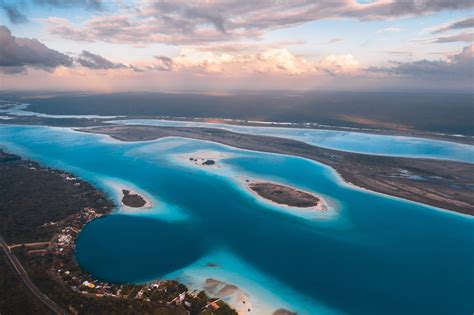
x=443 y=184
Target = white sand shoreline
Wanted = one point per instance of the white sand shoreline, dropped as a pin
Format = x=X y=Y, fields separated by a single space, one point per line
x=322 y=204
x=118 y=188
x=148 y=204
x=203 y=158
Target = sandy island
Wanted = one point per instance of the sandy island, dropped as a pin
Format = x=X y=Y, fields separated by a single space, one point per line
x=285 y=195
x=445 y=184
x=209 y=159
x=132 y=199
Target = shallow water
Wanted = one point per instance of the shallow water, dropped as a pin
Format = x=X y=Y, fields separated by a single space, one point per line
x=341 y=140
x=22 y=110
x=372 y=254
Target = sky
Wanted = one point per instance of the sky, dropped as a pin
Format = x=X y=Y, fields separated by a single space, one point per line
x=214 y=46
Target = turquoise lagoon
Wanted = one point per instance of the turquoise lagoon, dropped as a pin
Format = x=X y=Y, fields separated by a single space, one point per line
x=371 y=254
x=340 y=140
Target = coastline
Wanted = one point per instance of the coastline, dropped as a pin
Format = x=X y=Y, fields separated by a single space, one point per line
x=53 y=262
x=328 y=167
x=118 y=187
x=262 y=293
x=381 y=174
x=41 y=118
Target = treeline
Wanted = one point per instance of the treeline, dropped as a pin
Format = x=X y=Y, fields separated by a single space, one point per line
x=31 y=195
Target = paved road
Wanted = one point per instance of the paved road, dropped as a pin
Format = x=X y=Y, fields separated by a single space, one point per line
x=26 y=279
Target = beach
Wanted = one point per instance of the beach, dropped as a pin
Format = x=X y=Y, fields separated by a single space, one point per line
x=286 y=196
x=444 y=184
x=130 y=198
x=204 y=158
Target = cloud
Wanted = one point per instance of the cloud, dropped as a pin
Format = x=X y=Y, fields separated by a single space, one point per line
x=163 y=63
x=456 y=67
x=88 y=4
x=330 y=41
x=267 y=61
x=339 y=64
x=15 y=10
x=190 y=22
x=462 y=37
x=93 y=61
x=18 y=53
x=460 y=24
x=271 y=61
x=390 y=30
x=12 y=12
x=246 y=46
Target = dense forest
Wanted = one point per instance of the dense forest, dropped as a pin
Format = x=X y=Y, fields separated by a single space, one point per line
x=16 y=299
x=32 y=195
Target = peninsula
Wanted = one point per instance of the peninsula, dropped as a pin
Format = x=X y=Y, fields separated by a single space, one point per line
x=443 y=184
x=38 y=231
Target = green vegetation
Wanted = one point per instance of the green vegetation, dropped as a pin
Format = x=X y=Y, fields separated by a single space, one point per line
x=41 y=204
x=18 y=299
x=32 y=195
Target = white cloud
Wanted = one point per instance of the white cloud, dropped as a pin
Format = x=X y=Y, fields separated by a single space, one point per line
x=390 y=30
x=191 y=22
x=453 y=25
x=273 y=60
x=457 y=67
x=340 y=64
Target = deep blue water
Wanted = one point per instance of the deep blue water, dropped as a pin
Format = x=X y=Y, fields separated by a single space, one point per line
x=375 y=255
x=341 y=140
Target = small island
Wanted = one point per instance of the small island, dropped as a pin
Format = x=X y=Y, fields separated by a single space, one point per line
x=284 y=195
x=39 y=233
x=132 y=199
x=205 y=158
x=208 y=162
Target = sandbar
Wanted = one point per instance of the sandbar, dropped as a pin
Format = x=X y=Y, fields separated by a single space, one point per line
x=446 y=184
x=205 y=158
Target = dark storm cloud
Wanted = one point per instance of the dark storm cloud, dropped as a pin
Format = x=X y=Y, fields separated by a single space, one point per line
x=18 y=53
